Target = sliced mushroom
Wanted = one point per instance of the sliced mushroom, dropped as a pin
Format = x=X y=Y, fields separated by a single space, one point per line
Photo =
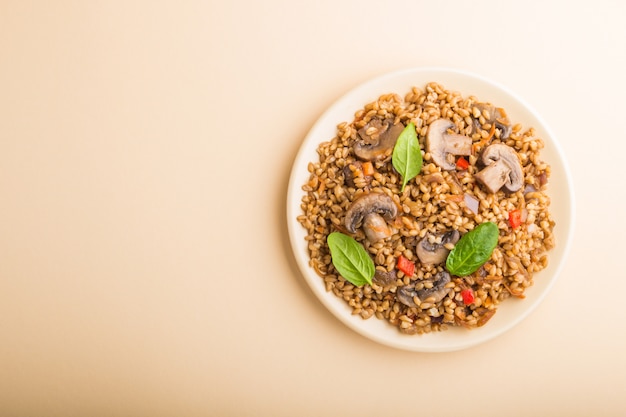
x=371 y=211
x=377 y=139
x=502 y=168
x=407 y=293
x=385 y=277
x=442 y=146
x=353 y=174
x=438 y=291
x=497 y=115
x=432 y=249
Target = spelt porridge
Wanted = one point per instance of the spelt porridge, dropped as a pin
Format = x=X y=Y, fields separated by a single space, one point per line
x=435 y=240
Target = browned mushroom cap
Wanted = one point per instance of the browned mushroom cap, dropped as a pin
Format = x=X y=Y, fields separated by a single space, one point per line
x=438 y=291
x=377 y=139
x=407 y=293
x=371 y=211
x=442 y=146
x=502 y=168
x=432 y=249
x=353 y=174
x=383 y=277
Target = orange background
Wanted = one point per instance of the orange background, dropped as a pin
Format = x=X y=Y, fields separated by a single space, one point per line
x=145 y=149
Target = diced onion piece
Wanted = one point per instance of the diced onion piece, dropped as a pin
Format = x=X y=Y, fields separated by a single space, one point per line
x=471 y=203
x=524 y=215
x=529 y=189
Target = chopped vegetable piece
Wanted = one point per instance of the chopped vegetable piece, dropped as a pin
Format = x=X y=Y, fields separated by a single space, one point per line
x=515 y=218
x=368 y=168
x=471 y=203
x=484 y=141
x=468 y=296
x=502 y=168
x=462 y=163
x=492 y=131
x=406 y=266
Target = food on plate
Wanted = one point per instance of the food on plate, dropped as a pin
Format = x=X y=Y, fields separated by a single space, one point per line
x=428 y=210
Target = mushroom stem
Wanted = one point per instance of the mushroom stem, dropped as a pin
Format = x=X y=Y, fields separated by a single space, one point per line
x=457 y=144
x=494 y=176
x=502 y=168
x=375 y=227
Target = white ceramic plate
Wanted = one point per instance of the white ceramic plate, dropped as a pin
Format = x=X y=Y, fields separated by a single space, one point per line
x=510 y=312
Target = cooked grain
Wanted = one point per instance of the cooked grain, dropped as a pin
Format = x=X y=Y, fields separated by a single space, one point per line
x=431 y=203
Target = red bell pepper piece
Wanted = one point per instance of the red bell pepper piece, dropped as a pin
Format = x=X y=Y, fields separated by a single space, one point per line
x=462 y=163
x=468 y=296
x=406 y=266
x=515 y=218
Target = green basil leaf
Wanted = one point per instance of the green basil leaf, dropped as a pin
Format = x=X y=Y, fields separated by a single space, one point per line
x=407 y=156
x=473 y=250
x=351 y=259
